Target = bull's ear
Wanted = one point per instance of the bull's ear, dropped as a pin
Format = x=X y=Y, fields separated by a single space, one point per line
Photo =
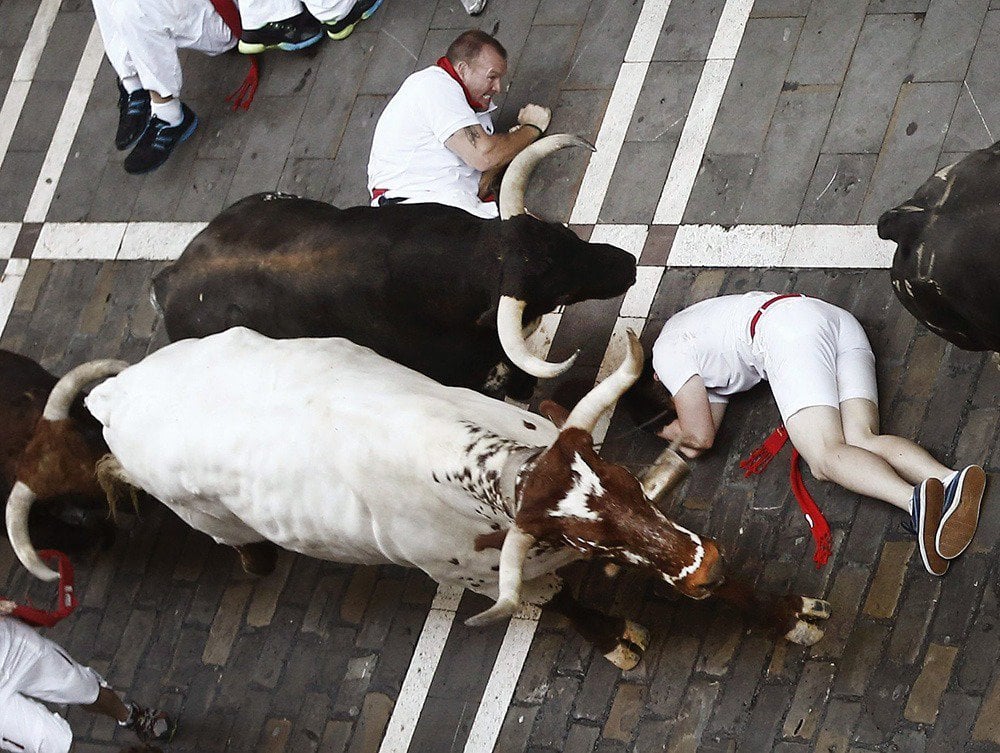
x=902 y=224
x=554 y=412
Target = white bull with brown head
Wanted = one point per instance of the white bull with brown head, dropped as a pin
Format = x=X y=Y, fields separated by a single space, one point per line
x=325 y=448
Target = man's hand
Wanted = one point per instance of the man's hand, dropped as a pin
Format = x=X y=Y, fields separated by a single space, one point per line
x=6 y=607
x=535 y=115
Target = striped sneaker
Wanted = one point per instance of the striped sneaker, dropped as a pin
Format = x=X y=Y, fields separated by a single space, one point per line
x=295 y=33
x=963 y=496
x=342 y=29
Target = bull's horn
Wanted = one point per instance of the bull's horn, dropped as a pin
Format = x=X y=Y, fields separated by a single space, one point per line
x=510 y=311
x=512 y=554
x=18 y=506
x=66 y=389
x=605 y=395
x=667 y=471
x=515 y=180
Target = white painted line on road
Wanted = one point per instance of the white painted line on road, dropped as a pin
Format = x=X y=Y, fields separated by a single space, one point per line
x=810 y=246
x=426 y=655
x=79 y=240
x=704 y=109
x=629 y=238
x=161 y=241
x=503 y=679
x=69 y=122
x=10 y=282
x=27 y=63
x=8 y=237
x=618 y=114
x=639 y=297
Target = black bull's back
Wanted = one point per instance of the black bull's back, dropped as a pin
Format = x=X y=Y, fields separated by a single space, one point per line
x=417 y=283
x=945 y=270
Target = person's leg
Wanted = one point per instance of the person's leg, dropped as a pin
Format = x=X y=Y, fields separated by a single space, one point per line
x=277 y=25
x=26 y=726
x=818 y=435
x=133 y=99
x=339 y=17
x=910 y=461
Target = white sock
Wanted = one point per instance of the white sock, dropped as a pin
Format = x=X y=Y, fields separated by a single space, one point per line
x=169 y=111
x=951 y=476
x=131 y=84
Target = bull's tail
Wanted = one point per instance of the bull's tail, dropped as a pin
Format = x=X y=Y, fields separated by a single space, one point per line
x=115 y=483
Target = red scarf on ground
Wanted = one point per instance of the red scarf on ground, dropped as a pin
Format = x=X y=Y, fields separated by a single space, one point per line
x=758 y=460
x=242 y=97
x=445 y=63
x=65 y=599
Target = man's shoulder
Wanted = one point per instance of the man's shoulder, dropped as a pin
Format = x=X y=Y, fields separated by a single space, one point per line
x=432 y=78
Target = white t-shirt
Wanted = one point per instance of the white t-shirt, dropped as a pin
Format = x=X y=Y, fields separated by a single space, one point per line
x=711 y=339
x=408 y=156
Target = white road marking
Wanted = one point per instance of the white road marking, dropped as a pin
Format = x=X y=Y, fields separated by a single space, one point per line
x=69 y=122
x=8 y=237
x=426 y=655
x=618 y=115
x=704 y=108
x=27 y=63
x=639 y=297
x=79 y=240
x=10 y=282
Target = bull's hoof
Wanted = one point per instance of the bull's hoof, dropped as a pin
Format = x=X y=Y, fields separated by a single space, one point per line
x=805 y=633
x=258 y=558
x=631 y=646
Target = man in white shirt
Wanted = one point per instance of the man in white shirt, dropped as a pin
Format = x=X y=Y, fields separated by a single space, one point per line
x=821 y=371
x=435 y=141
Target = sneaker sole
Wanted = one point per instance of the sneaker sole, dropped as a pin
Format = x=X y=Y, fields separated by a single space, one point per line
x=249 y=48
x=346 y=32
x=932 y=500
x=958 y=525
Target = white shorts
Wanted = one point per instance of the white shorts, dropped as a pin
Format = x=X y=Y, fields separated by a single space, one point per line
x=814 y=353
x=34 y=669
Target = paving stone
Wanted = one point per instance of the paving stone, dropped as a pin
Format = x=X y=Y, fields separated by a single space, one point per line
x=977 y=116
x=780 y=8
x=925 y=695
x=966 y=580
x=947 y=39
x=223 y=631
x=601 y=46
x=856 y=667
x=754 y=86
x=914 y=618
x=552 y=720
x=17 y=180
x=792 y=146
x=884 y=592
x=560 y=12
x=581 y=739
x=275 y=736
x=898 y=6
x=838 y=726
x=624 y=714
x=722 y=188
x=597 y=691
x=954 y=723
x=877 y=70
x=693 y=718
x=371 y=725
x=646 y=163
x=809 y=703
x=981 y=650
x=826 y=42
x=837 y=189
x=732 y=710
x=688 y=29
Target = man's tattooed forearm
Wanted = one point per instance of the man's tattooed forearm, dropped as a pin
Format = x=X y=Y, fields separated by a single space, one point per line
x=473 y=133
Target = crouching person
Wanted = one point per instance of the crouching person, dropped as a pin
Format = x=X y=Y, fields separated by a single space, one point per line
x=142 y=42
x=34 y=670
x=821 y=371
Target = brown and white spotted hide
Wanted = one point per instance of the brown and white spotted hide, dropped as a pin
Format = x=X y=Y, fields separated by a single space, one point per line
x=571 y=497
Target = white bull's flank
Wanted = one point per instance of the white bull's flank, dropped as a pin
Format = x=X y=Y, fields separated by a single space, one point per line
x=324 y=448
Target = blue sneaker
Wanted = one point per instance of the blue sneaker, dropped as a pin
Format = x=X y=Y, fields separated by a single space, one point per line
x=928 y=499
x=290 y=34
x=963 y=498
x=158 y=142
x=133 y=115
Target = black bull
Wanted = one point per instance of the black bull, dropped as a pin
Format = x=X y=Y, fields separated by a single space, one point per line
x=945 y=270
x=419 y=284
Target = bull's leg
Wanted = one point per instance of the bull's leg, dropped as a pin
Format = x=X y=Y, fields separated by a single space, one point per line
x=621 y=641
x=792 y=616
x=258 y=557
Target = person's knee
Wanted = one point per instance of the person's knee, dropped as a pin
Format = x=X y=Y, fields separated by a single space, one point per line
x=822 y=462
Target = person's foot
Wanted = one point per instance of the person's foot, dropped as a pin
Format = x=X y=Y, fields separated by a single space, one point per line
x=342 y=29
x=928 y=501
x=133 y=115
x=963 y=496
x=474 y=7
x=149 y=724
x=158 y=142
x=295 y=33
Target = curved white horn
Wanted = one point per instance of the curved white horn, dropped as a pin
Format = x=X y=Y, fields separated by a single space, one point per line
x=605 y=395
x=18 y=506
x=510 y=312
x=66 y=389
x=512 y=554
x=667 y=471
x=515 y=179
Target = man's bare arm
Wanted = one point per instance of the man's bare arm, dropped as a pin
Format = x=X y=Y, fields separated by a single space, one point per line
x=484 y=152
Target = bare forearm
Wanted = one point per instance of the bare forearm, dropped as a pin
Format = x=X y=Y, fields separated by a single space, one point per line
x=485 y=152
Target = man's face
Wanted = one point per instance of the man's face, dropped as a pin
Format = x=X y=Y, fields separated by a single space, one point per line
x=483 y=74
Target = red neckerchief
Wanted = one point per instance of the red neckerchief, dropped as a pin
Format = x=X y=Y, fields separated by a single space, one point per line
x=445 y=63
x=65 y=599
x=757 y=462
x=242 y=97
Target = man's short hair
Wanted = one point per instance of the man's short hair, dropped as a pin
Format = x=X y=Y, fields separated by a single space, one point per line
x=469 y=44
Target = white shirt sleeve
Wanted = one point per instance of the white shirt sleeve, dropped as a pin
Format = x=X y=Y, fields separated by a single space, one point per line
x=446 y=111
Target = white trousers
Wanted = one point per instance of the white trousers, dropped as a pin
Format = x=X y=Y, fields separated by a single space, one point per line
x=257 y=13
x=34 y=669
x=142 y=39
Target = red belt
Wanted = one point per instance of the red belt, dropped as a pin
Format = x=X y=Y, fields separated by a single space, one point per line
x=763 y=307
